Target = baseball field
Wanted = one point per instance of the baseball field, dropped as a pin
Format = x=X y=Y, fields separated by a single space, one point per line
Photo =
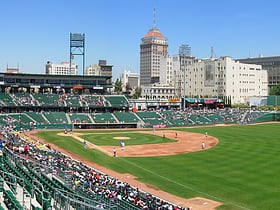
x=240 y=167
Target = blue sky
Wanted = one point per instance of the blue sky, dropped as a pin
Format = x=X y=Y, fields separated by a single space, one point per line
x=34 y=32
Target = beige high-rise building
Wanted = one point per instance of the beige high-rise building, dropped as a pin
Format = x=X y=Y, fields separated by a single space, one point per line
x=154 y=45
x=130 y=80
x=100 y=69
x=61 y=69
x=225 y=77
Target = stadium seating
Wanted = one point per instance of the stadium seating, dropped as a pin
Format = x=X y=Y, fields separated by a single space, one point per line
x=126 y=117
x=56 y=117
x=80 y=118
x=72 y=100
x=106 y=117
x=48 y=100
x=23 y=99
x=117 y=101
x=6 y=100
x=151 y=118
x=176 y=118
x=37 y=117
x=11 y=202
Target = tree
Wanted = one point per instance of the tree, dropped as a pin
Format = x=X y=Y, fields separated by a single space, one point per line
x=275 y=91
x=118 y=86
x=137 y=92
x=128 y=87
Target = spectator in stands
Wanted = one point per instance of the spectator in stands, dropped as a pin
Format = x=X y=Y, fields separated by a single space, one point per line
x=26 y=151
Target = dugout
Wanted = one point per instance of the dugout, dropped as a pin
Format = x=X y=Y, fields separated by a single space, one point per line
x=104 y=125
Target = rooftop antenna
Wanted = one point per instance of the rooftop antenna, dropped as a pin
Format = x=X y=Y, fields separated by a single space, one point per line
x=154 y=19
x=212 y=53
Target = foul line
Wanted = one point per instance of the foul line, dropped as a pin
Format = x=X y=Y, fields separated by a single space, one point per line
x=182 y=185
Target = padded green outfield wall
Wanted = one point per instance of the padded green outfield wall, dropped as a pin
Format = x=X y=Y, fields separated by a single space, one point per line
x=273 y=100
x=268 y=117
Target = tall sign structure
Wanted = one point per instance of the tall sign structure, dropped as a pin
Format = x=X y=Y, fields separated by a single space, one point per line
x=77 y=47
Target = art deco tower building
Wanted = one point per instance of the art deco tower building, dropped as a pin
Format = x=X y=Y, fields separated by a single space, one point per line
x=152 y=48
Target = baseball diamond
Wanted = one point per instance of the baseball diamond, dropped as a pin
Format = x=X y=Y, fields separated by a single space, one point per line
x=54 y=158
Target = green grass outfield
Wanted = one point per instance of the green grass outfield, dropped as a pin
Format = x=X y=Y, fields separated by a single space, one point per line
x=242 y=171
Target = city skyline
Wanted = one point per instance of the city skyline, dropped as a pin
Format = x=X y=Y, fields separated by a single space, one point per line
x=34 y=32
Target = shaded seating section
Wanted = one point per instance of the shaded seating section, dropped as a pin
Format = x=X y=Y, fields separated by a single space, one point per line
x=126 y=117
x=50 y=100
x=105 y=117
x=79 y=118
x=56 y=117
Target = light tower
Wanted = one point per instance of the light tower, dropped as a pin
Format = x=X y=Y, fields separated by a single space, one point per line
x=77 y=47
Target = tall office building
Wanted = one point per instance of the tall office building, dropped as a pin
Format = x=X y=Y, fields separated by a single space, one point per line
x=152 y=48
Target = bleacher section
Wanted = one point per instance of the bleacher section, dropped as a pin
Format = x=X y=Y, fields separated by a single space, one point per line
x=126 y=117
x=23 y=99
x=117 y=101
x=151 y=118
x=148 y=119
x=37 y=117
x=6 y=100
x=80 y=118
x=106 y=117
x=47 y=111
x=72 y=100
x=176 y=118
x=48 y=100
x=42 y=177
x=93 y=101
x=56 y=117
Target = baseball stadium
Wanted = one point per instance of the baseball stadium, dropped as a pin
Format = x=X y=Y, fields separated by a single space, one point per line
x=92 y=151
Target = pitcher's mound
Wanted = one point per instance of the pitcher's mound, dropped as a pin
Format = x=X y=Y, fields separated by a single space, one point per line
x=121 y=138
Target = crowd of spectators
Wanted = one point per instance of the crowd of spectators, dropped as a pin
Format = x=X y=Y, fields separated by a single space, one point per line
x=83 y=177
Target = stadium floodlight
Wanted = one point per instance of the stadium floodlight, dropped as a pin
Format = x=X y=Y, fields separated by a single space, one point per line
x=77 y=47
